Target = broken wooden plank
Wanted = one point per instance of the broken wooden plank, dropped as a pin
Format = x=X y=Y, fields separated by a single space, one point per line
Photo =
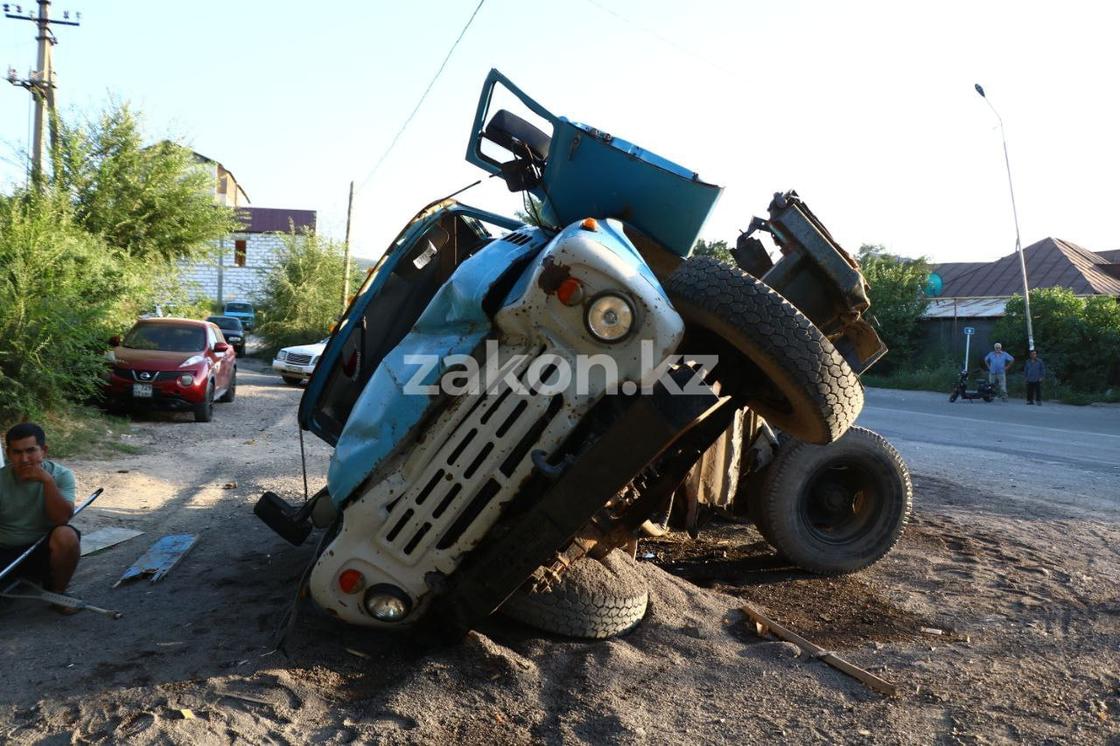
x=160 y=558
x=103 y=538
x=764 y=624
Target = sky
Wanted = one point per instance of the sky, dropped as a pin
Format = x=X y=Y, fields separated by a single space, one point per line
x=867 y=109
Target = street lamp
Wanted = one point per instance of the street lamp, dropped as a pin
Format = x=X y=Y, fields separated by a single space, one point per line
x=1015 y=213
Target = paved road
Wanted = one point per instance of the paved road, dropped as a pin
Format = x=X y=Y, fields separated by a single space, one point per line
x=1056 y=455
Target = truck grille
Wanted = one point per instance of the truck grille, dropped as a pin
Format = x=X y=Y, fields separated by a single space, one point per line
x=298 y=359
x=484 y=441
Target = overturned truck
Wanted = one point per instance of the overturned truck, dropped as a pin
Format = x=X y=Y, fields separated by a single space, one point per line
x=514 y=404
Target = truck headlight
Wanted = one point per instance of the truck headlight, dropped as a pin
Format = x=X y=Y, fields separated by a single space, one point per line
x=610 y=317
x=387 y=603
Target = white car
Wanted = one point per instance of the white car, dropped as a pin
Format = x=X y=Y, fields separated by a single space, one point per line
x=296 y=364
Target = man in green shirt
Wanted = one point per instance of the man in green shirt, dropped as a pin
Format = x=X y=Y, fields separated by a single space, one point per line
x=37 y=500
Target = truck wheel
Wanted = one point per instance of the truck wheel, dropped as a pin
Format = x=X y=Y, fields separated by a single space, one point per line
x=596 y=599
x=817 y=395
x=204 y=412
x=838 y=508
x=231 y=392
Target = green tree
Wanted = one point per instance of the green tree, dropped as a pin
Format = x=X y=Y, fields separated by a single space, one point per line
x=533 y=212
x=150 y=202
x=61 y=293
x=1079 y=338
x=302 y=291
x=717 y=249
x=897 y=299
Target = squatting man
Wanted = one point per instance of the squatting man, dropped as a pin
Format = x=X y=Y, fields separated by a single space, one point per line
x=37 y=500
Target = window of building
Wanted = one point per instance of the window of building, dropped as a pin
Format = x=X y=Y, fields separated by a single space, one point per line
x=239 y=252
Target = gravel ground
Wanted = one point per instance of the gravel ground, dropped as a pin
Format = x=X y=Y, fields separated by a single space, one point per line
x=1025 y=599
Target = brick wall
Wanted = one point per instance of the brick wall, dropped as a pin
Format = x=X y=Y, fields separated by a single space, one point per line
x=262 y=251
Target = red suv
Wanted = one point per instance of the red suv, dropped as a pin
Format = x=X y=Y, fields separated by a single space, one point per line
x=172 y=364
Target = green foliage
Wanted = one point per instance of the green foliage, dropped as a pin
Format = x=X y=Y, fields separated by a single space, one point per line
x=59 y=300
x=533 y=214
x=82 y=255
x=149 y=202
x=303 y=291
x=917 y=377
x=717 y=249
x=897 y=300
x=1078 y=338
x=942 y=378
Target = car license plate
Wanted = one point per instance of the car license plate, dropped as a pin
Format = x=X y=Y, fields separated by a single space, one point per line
x=142 y=390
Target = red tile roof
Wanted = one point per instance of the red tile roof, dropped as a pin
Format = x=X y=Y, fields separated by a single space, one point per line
x=1051 y=262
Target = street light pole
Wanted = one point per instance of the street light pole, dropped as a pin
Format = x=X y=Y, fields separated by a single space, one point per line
x=1015 y=213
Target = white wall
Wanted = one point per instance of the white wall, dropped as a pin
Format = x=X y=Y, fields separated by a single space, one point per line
x=262 y=251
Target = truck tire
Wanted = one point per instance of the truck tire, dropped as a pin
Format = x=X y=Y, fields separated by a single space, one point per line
x=820 y=396
x=596 y=599
x=838 y=508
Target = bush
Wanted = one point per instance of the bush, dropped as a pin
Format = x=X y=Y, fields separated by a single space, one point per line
x=923 y=378
x=1078 y=338
x=303 y=292
x=59 y=287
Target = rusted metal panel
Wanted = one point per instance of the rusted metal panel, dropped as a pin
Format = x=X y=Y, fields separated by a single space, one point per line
x=160 y=558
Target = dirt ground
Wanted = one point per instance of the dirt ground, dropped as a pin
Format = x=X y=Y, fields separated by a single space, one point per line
x=1025 y=599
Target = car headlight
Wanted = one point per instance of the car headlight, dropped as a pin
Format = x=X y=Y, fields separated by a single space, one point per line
x=282 y=355
x=609 y=317
x=387 y=603
x=192 y=360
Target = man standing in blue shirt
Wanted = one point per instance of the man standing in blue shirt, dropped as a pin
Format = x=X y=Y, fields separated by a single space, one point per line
x=997 y=362
x=37 y=500
x=1034 y=370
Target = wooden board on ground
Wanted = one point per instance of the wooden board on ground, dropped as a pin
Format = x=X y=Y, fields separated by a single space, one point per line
x=103 y=538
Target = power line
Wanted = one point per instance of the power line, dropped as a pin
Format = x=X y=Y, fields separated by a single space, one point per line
x=423 y=96
x=665 y=40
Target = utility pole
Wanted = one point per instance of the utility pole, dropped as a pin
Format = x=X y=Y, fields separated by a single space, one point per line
x=346 y=251
x=1015 y=213
x=41 y=81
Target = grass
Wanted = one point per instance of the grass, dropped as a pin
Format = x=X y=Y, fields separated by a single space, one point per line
x=943 y=378
x=84 y=432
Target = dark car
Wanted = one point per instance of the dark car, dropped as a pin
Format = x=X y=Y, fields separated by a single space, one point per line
x=232 y=330
x=176 y=364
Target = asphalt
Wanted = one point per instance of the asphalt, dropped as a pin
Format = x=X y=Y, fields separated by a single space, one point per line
x=1053 y=457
